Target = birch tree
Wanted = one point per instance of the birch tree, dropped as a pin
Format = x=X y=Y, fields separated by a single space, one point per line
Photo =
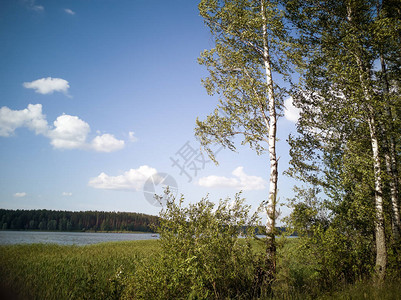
x=343 y=40
x=388 y=44
x=250 y=46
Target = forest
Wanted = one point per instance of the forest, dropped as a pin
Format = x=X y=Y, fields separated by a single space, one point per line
x=52 y=220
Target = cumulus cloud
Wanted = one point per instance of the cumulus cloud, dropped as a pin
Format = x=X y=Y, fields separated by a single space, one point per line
x=107 y=143
x=241 y=181
x=67 y=194
x=67 y=132
x=291 y=113
x=134 y=179
x=219 y=181
x=30 y=117
x=48 y=85
x=20 y=194
x=70 y=132
x=69 y=11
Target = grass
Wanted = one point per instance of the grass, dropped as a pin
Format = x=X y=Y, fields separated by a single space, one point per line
x=48 y=271
x=390 y=290
x=43 y=271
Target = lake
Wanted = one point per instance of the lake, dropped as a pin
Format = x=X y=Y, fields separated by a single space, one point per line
x=68 y=238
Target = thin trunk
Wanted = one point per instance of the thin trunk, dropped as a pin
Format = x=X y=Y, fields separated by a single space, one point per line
x=271 y=205
x=391 y=159
x=364 y=77
x=381 y=253
x=395 y=218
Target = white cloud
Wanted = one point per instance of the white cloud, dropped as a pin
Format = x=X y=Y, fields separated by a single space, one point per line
x=218 y=181
x=30 y=117
x=291 y=113
x=70 y=132
x=48 y=85
x=67 y=132
x=107 y=143
x=67 y=194
x=132 y=136
x=241 y=181
x=20 y=195
x=134 y=179
x=69 y=11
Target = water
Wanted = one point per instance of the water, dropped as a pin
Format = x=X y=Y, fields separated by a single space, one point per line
x=69 y=238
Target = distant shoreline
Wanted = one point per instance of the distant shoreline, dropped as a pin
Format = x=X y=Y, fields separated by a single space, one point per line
x=71 y=221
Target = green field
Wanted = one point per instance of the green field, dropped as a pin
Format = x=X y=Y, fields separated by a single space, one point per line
x=104 y=271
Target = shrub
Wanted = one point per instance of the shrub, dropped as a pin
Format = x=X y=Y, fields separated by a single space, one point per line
x=202 y=254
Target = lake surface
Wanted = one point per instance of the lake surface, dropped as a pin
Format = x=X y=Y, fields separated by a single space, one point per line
x=68 y=238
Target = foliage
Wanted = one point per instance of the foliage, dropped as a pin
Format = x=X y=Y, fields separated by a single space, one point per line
x=300 y=274
x=348 y=131
x=75 y=221
x=237 y=71
x=202 y=255
x=332 y=248
x=251 y=46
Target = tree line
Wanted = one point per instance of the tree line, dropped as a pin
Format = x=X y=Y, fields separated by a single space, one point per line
x=53 y=220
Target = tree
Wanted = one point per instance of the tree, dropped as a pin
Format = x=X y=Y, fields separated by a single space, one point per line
x=344 y=103
x=388 y=29
x=250 y=45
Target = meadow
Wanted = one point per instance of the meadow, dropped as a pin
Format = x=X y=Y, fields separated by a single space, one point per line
x=106 y=271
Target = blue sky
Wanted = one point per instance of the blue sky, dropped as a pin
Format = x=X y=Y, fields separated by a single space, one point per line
x=96 y=96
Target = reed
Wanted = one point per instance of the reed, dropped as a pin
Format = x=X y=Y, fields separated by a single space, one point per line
x=48 y=271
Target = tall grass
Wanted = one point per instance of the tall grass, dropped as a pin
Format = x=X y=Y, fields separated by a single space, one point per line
x=107 y=271
x=43 y=271
x=367 y=290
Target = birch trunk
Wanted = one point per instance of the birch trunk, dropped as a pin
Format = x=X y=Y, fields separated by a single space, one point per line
x=395 y=218
x=391 y=160
x=381 y=253
x=381 y=250
x=271 y=205
x=364 y=77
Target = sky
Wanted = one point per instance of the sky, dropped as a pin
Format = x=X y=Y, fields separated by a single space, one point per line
x=98 y=102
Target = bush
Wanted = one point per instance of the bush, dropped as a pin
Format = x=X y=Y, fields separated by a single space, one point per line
x=202 y=254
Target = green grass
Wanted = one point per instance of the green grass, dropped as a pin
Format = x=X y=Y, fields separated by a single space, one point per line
x=390 y=290
x=101 y=271
x=43 y=271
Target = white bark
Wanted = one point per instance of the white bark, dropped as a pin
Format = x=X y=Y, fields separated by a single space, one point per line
x=391 y=160
x=381 y=253
x=271 y=205
x=395 y=220
x=364 y=77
